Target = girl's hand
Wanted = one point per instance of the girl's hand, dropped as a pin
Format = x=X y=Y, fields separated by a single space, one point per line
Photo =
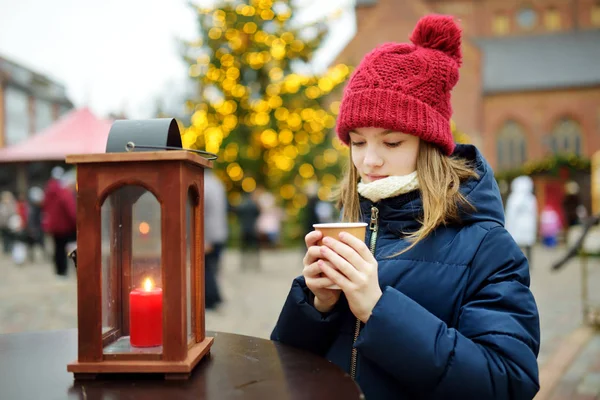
x=354 y=269
x=325 y=298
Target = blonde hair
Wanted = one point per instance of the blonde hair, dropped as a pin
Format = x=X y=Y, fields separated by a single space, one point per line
x=439 y=183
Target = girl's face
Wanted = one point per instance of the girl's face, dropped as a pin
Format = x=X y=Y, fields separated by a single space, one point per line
x=378 y=153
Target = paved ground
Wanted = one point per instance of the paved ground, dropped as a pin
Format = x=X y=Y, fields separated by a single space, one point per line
x=33 y=298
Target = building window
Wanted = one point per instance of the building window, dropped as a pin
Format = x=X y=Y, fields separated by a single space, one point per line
x=501 y=24
x=511 y=146
x=552 y=19
x=596 y=14
x=527 y=18
x=17 y=115
x=566 y=137
x=44 y=114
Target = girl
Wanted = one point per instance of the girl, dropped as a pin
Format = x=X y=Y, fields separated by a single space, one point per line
x=436 y=304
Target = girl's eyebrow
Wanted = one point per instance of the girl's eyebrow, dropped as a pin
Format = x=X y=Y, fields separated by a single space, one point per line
x=382 y=133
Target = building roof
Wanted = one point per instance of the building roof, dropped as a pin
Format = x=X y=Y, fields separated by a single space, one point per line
x=78 y=132
x=539 y=62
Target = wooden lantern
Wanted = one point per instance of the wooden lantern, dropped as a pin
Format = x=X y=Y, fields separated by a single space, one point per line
x=140 y=254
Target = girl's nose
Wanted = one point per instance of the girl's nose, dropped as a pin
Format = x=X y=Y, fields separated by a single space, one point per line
x=372 y=158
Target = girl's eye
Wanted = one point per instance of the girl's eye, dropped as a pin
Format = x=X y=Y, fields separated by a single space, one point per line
x=357 y=144
x=394 y=144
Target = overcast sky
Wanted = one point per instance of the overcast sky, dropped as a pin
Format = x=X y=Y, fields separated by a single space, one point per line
x=115 y=55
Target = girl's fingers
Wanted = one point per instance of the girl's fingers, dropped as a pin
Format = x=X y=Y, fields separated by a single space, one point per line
x=346 y=252
x=312 y=254
x=358 y=245
x=339 y=262
x=312 y=270
x=312 y=238
x=320 y=282
x=336 y=277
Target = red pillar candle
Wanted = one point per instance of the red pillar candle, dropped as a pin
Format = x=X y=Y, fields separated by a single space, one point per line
x=145 y=316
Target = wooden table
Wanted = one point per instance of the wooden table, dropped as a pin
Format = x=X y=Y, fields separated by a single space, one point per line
x=34 y=366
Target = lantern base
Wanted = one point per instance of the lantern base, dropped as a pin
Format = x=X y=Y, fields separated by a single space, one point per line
x=171 y=369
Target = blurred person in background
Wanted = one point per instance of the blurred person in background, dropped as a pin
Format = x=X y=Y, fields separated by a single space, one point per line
x=269 y=220
x=8 y=208
x=60 y=216
x=33 y=231
x=550 y=226
x=215 y=235
x=521 y=214
x=247 y=213
x=573 y=208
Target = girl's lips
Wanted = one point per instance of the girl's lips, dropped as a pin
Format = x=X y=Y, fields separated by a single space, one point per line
x=376 y=177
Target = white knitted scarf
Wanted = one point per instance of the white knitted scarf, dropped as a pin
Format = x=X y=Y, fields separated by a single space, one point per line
x=388 y=187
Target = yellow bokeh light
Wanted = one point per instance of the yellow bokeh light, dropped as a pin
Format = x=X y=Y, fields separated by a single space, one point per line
x=238 y=90
x=329 y=180
x=287 y=191
x=286 y=136
x=278 y=52
x=260 y=36
x=290 y=151
x=330 y=156
x=215 y=33
x=281 y=114
x=300 y=200
x=335 y=107
x=297 y=45
x=275 y=102
x=250 y=27
x=294 y=121
x=267 y=15
x=287 y=37
x=312 y=92
x=276 y=73
x=319 y=162
x=232 y=73
x=303 y=148
x=325 y=84
x=144 y=228
x=324 y=193
x=301 y=137
x=235 y=172
x=269 y=138
x=262 y=118
x=306 y=171
x=231 y=33
x=231 y=152
x=307 y=114
x=248 y=185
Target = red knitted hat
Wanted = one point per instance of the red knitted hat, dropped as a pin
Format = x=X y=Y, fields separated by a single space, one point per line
x=406 y=87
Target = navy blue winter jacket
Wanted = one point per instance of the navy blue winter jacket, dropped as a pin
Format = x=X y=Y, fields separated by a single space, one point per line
x=456 y=319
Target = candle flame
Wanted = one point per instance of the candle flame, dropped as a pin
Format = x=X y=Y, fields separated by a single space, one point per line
x=148 y=284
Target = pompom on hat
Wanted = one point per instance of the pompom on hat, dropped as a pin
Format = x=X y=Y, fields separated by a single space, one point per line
x=406 y=87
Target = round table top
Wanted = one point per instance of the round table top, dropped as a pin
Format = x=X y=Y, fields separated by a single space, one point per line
x=34 y=365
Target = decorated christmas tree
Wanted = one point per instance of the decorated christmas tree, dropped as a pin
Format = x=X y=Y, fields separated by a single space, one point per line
x=271 y=125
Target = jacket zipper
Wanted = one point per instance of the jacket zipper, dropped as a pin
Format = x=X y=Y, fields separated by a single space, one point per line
x=373 y=226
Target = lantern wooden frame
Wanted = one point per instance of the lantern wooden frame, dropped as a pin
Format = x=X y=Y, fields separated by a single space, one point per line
x=169 y=176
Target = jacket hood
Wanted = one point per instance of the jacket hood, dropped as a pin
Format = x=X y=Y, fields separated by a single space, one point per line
x=402 y=213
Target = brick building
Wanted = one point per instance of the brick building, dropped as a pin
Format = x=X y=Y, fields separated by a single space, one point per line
x=530 y=81
x=29 y=102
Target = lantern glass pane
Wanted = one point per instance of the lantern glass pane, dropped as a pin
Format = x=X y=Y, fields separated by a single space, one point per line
x=189 y=240
x=132 y=272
